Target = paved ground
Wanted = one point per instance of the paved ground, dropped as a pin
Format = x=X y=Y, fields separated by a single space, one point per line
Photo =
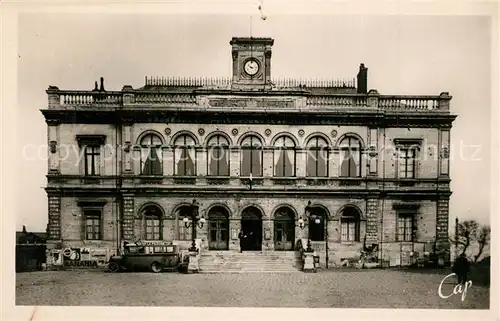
x=340 y=289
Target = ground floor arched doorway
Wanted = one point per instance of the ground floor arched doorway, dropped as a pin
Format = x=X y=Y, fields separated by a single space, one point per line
x=284 y=229
x=251 y=225
x=218 y=229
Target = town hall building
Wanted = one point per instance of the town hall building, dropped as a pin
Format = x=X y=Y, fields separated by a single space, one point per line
x=285 y=161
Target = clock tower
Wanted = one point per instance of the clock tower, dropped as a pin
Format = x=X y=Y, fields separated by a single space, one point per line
x=251 y=63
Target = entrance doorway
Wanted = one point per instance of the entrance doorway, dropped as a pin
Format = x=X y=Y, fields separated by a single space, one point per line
x=218 y=229
x=251 y=224
x=284 y=229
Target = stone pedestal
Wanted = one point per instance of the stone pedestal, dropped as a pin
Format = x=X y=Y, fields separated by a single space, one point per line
x=193 y=266
x=309 y=262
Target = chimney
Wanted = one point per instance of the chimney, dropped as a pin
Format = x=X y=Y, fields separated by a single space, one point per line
x=24 y=229
x=96 y=88
x=362 y=79
x=102 y=85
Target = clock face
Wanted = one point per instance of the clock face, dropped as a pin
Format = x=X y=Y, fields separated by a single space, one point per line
x=251 y=67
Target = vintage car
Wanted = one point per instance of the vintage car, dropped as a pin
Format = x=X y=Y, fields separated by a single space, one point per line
x=153 y=256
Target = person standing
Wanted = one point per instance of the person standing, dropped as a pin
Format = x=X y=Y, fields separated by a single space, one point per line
x=242 y=238
x=461 y=268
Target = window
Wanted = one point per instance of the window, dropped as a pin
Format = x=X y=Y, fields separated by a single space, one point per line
x=350 y=151
x=405 y=227
x=92 y=224
x=406 y=162
x=184 y=232
x=317 y=157
x=153 y=228
x=284 y=157
x=184 y=156
x=92 y=160
x=91 y=147
x=349 y=224
x=153 y=218
x=251 y=156
x=151 y=155
x=317 y=230
x=218 y=156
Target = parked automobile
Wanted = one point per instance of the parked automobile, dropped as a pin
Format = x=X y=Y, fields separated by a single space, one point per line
x=154 y=256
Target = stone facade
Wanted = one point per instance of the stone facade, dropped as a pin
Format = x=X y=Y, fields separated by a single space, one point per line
x=358 y=200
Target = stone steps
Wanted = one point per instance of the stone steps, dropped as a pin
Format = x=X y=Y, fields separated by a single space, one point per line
x=236 y=262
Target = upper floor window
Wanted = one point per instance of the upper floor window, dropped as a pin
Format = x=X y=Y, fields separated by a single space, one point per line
x=151 y=155
x=184 y=156
x=251 y=156
x=317 y=157
x=350 y=151
x=91 y=146
x=407 y=157
x=153 y=222
x=92 y=160
x=218 y=156
x=284 y=157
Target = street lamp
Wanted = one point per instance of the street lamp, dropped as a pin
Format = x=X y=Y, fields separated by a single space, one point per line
x=303 y=224
x=194 y=221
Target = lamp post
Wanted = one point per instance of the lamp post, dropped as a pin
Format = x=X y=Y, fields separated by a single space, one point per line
x=303 y=224
x=194 y=221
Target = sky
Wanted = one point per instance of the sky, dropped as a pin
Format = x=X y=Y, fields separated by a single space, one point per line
x=416 y=55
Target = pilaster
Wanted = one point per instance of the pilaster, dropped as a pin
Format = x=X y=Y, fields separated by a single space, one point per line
x=54 y=217
x=128 y=217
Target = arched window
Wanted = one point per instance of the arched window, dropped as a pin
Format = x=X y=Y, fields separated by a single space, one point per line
x=183 y=232
x=284 y=157
x=218 y=156
x=153 y=222
x=349 y=224
x=151 y=155
x=350 y=151
x=317 y=157
x=317 y=224
x=184 y=156
x=251 y=156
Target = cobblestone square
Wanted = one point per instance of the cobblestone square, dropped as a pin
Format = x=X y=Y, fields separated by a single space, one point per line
x=334 y=288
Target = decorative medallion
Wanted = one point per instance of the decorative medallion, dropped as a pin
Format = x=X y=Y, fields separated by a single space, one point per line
x=201 y=131
x=301 y=132
x=234 y=131
x=372 y=151
x=268 y=132
x=168 y=131
x=53 y=146
x=334 y=133
x=445 y=153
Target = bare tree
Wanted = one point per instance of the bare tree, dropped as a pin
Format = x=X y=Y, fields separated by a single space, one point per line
x=466 y=234
x=483 y=239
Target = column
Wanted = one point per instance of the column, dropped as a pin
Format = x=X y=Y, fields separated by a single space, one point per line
x=301 y=163
x=53 y=138
x=127 y=133
x=372 y=151
x=128 y=217
x=444 y=153
x=201 y=161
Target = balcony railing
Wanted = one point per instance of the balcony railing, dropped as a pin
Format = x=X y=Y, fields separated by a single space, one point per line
x=128 y=97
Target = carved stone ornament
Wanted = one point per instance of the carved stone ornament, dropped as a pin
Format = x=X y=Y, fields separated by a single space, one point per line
x=334 y=133
x=301 y=132
x=53 y=147
x=372 y=151
x=267 y=132
x=445 y=153
x=201 y=131
x=168 y=131
x=234 y=131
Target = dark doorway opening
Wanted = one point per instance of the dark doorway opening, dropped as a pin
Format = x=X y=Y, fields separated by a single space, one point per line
x=251 y=224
